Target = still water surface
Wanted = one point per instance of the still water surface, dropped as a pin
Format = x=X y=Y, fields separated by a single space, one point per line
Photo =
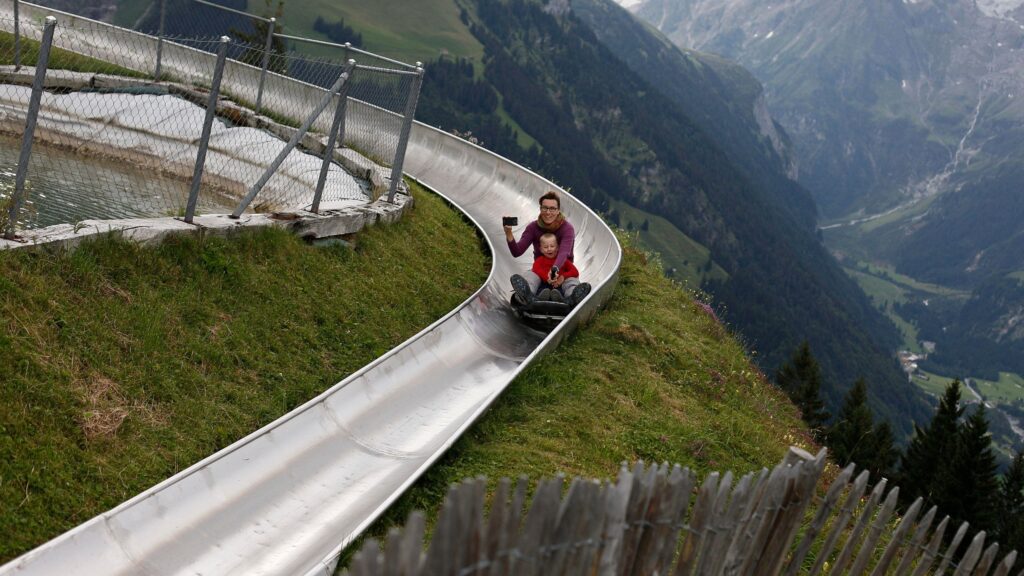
x=64 y=187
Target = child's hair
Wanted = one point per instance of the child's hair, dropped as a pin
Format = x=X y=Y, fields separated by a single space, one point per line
x=549 y=236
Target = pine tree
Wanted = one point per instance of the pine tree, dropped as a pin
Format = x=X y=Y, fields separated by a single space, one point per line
x=925 y=463
x=971 y=490
x=800 y=378
x=886 y=455
x=854 y=437
x=849 y=438
x=1011 y=506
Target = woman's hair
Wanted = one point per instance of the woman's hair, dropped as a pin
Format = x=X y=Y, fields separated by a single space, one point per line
x=550 y=195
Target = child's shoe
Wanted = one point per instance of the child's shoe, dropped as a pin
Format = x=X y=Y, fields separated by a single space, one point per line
x=578 y=294
x=522 y=288
x=556 y=296
x=546 y=295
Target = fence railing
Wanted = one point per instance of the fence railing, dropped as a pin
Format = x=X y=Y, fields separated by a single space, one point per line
x=116 y=72
x=765 y=523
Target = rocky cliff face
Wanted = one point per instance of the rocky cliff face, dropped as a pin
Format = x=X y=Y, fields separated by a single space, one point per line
x=887 y=101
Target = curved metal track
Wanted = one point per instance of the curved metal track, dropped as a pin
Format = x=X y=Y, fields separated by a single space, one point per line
x=287 y=498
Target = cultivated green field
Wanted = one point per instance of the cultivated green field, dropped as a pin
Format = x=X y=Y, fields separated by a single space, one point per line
x=933 y=383
x=407 y=31
x=690 y=259
x=1008 y=388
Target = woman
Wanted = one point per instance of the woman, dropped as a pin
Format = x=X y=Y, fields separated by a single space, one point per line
x=550 y=220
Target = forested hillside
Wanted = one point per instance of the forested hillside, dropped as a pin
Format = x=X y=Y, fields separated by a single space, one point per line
x=601 y=129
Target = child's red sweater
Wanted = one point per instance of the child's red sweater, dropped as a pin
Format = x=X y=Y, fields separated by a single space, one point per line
x=542 y=266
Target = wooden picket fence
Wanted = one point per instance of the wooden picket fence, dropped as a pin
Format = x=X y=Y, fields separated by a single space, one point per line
x=644 y=524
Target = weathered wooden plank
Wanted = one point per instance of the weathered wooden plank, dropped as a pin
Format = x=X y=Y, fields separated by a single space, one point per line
x=513 y=532
x=615 y=523
x=914 y=548
x=845 y=514
x=933 y=548
x=364 y=563
x=739 y=548
x=1006 y=565
x=794 y=507
x=825 y=510
x=699 y=519
x=412 y=544
x=951 y=550
x=727 y=525
x=540 y=522
x=867 y=549
x=706 y=556
x=764 y=516
x=987 y=559
x=640 y=495
x=440 y=553
x=858 y=529
x=496 y=527
x=896 y=541
x=393 y=552
x=971 y=556
x=588 y=551
x=680 y=483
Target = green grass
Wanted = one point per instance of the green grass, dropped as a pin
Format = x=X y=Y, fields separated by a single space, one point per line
x=890 y=274
x=900 y=215
x=651 y=377
x=122 y=365
x=690 y=259
x=934 y=384
x=59 y=59
x=881 y=291
x=1008 y=388
x=883 y=295
x=523 y=138
x=407 y=31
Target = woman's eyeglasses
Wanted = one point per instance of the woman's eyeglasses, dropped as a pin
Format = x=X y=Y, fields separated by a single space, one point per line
x=549 y=209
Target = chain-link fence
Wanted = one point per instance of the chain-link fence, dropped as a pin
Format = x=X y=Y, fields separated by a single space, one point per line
x=123 y=144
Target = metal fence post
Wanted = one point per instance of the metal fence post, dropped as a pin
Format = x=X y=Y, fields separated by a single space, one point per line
x=296 y=137
x=403 y=139
x=204 y=141
x=17 y=39
x=266 y=61
x=337 y=131
x=160 y=39
x=18 y=196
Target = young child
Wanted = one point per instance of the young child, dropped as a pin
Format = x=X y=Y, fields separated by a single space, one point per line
x=542 y=267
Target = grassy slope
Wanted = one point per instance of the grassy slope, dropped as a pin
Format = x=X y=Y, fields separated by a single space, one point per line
x=407 y=31
x=652 y=377
x=122 y=365
x=678 y=251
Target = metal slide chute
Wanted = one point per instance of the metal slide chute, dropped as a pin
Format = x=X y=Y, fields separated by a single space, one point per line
x=288 y=497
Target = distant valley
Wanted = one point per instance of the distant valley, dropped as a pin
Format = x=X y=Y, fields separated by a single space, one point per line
x=907 y=119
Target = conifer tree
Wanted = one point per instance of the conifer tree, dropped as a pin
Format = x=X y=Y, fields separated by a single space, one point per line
x=970 y=491
x=887 y=455
x=800 y=378
x=854 y=437
x=849 y=438
x=925 y=463
x=1011 y=506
